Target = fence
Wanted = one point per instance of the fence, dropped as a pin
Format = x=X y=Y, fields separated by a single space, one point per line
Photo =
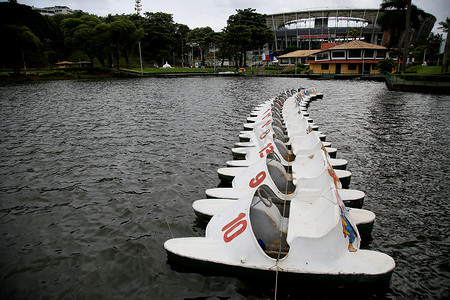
x=412 y=80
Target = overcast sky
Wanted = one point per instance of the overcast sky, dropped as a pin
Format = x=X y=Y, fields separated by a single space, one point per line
x=214 y=13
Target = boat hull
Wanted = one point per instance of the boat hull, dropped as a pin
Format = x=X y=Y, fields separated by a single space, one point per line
x=267 y=274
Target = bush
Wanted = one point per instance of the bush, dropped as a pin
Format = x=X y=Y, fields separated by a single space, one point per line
x=385 y=65
x=273 y=68
x=52 y=73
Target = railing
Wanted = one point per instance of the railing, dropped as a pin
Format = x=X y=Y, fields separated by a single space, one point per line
x=408 y=79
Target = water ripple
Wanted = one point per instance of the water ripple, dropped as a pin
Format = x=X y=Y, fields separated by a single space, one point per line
x=93 y=174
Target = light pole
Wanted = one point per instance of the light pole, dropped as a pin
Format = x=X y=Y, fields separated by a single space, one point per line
x=140 y=57
x=214 y=61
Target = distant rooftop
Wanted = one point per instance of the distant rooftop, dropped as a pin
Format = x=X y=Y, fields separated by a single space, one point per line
x=55 y=10
x=357 y=45
x=299 y=53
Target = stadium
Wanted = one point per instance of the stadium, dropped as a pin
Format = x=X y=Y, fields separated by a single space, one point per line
x=308 y=29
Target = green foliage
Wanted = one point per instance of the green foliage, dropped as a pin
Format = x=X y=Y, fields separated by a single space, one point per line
x=79 y=33
x=273 y=68
x=57 y=73
x=444 y=25
x=353 y=33
x=385 y=65
x=430 y=50
x=112 y=39
x=204 y=37
x=393 y=18
x=245 y=31
x=24 y=35
x=160 y=34
x=419 y=69
x=301 y=69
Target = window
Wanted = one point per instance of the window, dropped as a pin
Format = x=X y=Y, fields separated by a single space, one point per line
x=338 y=54
x=354 y=53
x=369 y=53
x=323 y=56
x=325 y=66
x=381 y=54
x=352 y=67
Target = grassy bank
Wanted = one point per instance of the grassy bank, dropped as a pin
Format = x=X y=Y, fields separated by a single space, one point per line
x=72 y=73
x=419 y=69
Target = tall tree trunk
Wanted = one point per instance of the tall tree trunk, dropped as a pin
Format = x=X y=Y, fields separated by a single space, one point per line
x=406 y=38
x=445 y=58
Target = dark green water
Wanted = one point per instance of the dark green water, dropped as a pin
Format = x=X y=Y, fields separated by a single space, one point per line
x=92 y=173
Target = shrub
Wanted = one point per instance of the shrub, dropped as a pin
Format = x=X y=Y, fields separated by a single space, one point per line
x=385 y=65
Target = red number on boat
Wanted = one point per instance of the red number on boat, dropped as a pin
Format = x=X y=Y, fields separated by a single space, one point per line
x=267 y=123
x=268 y=148
x=254 y=182
x=268 y=115
x=230 y=232
x=264 y=134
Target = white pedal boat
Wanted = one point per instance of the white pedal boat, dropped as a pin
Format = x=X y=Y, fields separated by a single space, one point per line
x=278 y=181
x=245 y=156
x=207 y=208
x=247 y=135
x=226 y=175
x=331 y=150
x=316 y=240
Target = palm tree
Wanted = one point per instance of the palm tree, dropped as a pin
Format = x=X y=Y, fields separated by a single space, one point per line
x=399 y=17
x=444 y=26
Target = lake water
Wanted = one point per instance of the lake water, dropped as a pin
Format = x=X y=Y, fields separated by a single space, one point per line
x=93 y=173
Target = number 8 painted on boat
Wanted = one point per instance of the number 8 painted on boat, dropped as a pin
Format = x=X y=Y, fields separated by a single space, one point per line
x=264 y=134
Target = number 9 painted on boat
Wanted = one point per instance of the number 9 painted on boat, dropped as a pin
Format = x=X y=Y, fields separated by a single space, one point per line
x=254 y=182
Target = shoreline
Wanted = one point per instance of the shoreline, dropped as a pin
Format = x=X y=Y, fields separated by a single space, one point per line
x=429 y=88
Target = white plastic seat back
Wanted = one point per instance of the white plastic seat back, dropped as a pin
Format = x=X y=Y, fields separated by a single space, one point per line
x=309 y=166
x=308 y=141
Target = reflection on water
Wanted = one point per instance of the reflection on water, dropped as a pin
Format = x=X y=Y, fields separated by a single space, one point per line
x=93 y=172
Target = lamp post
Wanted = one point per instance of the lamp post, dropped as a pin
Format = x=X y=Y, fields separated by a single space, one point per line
x=214 y=61
x=140 y=57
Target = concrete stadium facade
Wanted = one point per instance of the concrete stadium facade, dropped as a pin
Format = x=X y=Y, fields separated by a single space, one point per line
x=308 y=29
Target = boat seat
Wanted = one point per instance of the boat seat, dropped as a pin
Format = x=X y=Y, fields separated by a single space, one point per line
x=269 y=226
x=276 y=114
x=277 y=122
x=282 y=180
x=283 y=150
x=279 y=134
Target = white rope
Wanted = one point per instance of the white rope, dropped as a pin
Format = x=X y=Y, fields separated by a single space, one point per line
x=170 y=230
x=281 y=236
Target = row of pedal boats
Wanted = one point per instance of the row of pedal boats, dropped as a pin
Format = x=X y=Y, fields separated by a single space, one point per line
x=288 y=208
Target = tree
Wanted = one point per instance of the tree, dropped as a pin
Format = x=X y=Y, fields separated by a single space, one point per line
x=385 y=65
x=400 y=18
x=238 y=37
x=225 y=49
x=24 y=33
x=20 y=41
x=429 y=50
x=245 y=31
x=123 y=37
x=444 y=26
x=204 y=37
x=353 y=33
x=112 y=39
x=393 y=19
x=181 y=33
x=79 y=33
x=160 y=34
